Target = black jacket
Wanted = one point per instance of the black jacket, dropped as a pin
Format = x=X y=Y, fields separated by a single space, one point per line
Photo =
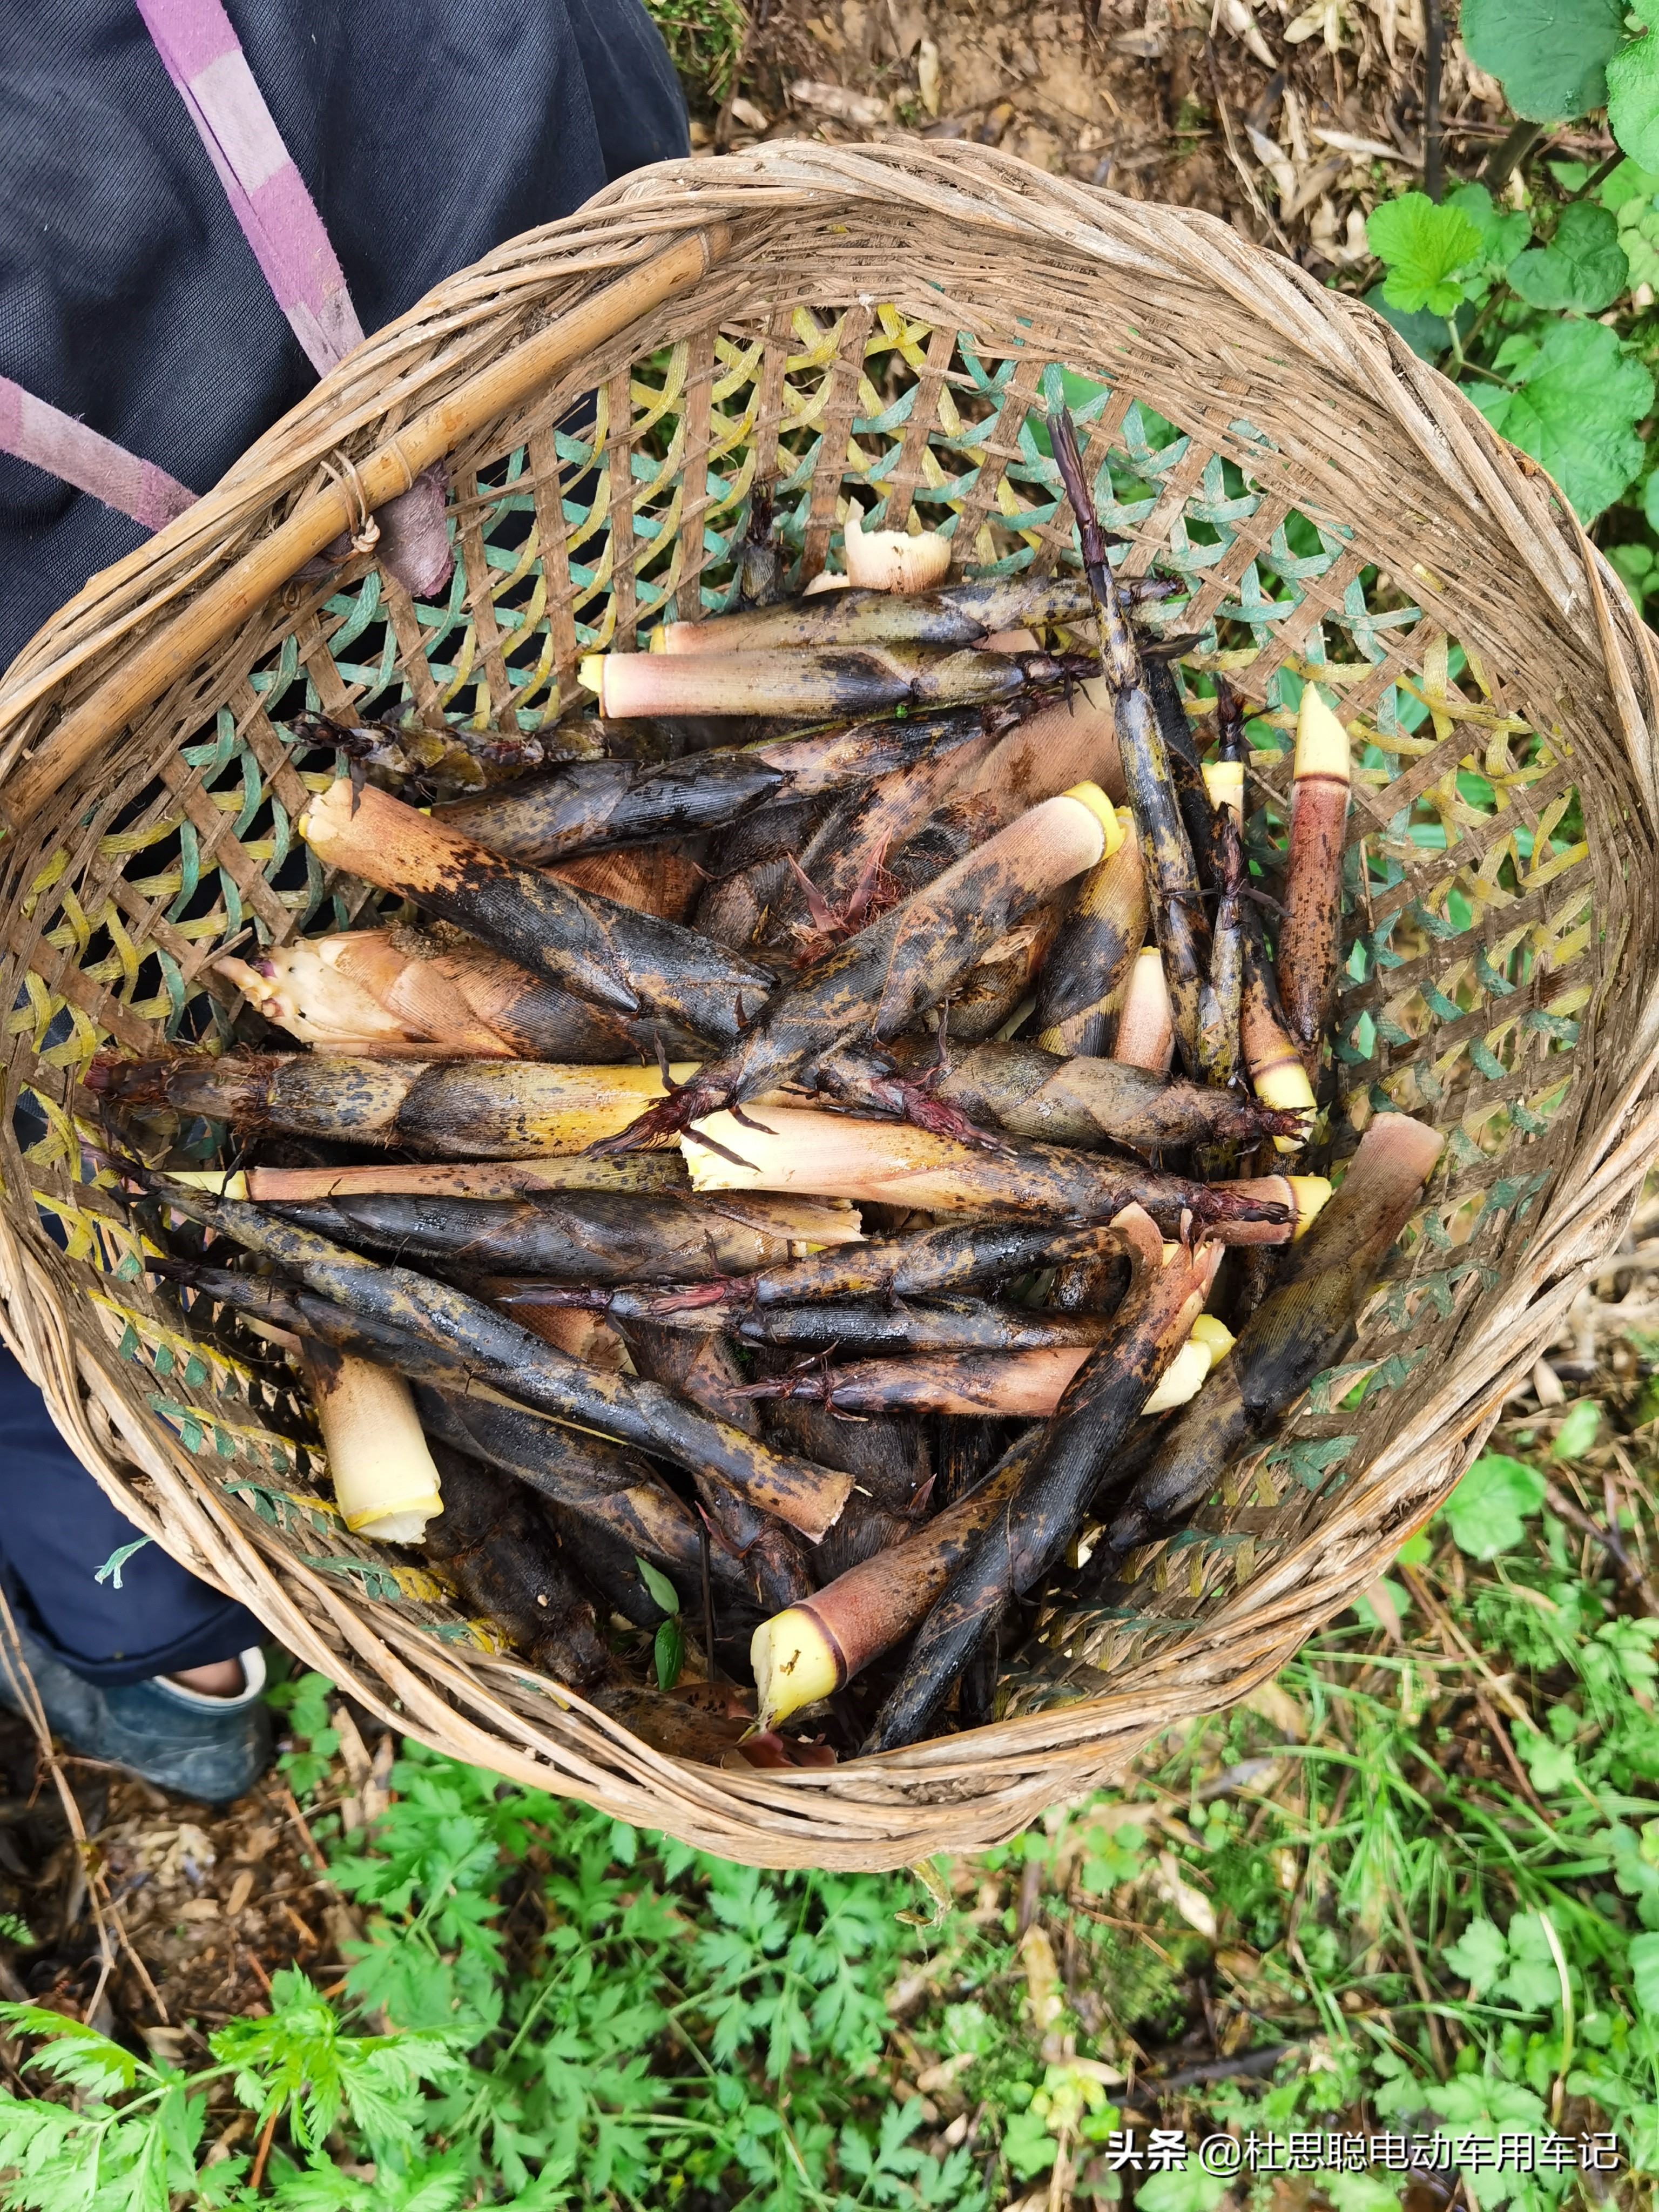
x=427 y=130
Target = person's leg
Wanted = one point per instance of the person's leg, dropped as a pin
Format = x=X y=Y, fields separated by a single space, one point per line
x=148 y=1667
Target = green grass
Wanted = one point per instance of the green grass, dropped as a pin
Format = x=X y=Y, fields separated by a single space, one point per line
x=706 y=40
x=1428 y=1875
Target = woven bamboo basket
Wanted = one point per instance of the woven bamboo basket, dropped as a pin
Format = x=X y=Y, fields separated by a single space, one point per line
x=894 y=317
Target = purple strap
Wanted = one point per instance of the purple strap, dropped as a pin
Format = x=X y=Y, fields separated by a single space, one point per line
x=280 y=221
x=266 y=192
x=37 y=433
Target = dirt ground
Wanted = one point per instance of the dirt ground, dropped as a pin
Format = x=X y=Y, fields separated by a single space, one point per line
x=1290 y=122
x=196 y=1906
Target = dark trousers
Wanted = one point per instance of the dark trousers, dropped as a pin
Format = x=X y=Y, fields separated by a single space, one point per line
x=58 y=1528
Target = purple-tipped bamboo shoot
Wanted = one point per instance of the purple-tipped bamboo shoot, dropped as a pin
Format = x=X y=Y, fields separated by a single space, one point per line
x=1031 y=1092
x=1087 y=973
x=1042 y=1514
x=1145 y=1023
x=1303 y=1324
x=1303 y=1197
x=1002 y=1386
x=895 y=1164
x=1173 y=888
x=816 y=1647
x=1309 y=939
x=827 y=683
x=613 y=955
x=936 y=1262
x=874 y=847
x=878 y=981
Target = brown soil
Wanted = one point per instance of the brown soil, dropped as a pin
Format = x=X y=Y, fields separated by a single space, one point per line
x=204 y=1903
x=1290 y=122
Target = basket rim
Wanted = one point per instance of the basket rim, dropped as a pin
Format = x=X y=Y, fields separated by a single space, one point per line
x=940 y=1795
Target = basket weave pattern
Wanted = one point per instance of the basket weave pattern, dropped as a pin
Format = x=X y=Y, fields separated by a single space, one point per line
x=896 y=320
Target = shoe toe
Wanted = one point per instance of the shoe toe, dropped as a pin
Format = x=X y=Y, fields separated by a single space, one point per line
x=189 y=1748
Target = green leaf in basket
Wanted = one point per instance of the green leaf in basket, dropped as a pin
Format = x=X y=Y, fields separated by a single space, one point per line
x=1573 y=404
x=1633 y=87
x=1423 y=246
x=110 y=1573
x=1311 y=1459
x=1551 y=56
x=658 y=1584
x=1485 y=1512
x=1577 y=1431
x=669 y=1652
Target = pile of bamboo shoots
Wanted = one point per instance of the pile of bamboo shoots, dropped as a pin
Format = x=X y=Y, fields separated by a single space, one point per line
x=829 y=1149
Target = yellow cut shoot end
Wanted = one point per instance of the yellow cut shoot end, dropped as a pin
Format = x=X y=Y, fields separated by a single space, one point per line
x=1313 y=1194
x=590 y=674
x=894 y=560
x=1214 y=1335
x=1209 y=1342
x=1225 y=782
x=211 y=1179
x=795 y=1661
x=1284 y=1084
x=1092 y=796
x=1183 y=1378
x=1321 y=743
x=385 y=1483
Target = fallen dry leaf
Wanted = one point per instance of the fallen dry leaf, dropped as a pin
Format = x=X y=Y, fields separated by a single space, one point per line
x=861 y=109
x=1194 y=1908
x=1275 y=1704
x=1042 y=1988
